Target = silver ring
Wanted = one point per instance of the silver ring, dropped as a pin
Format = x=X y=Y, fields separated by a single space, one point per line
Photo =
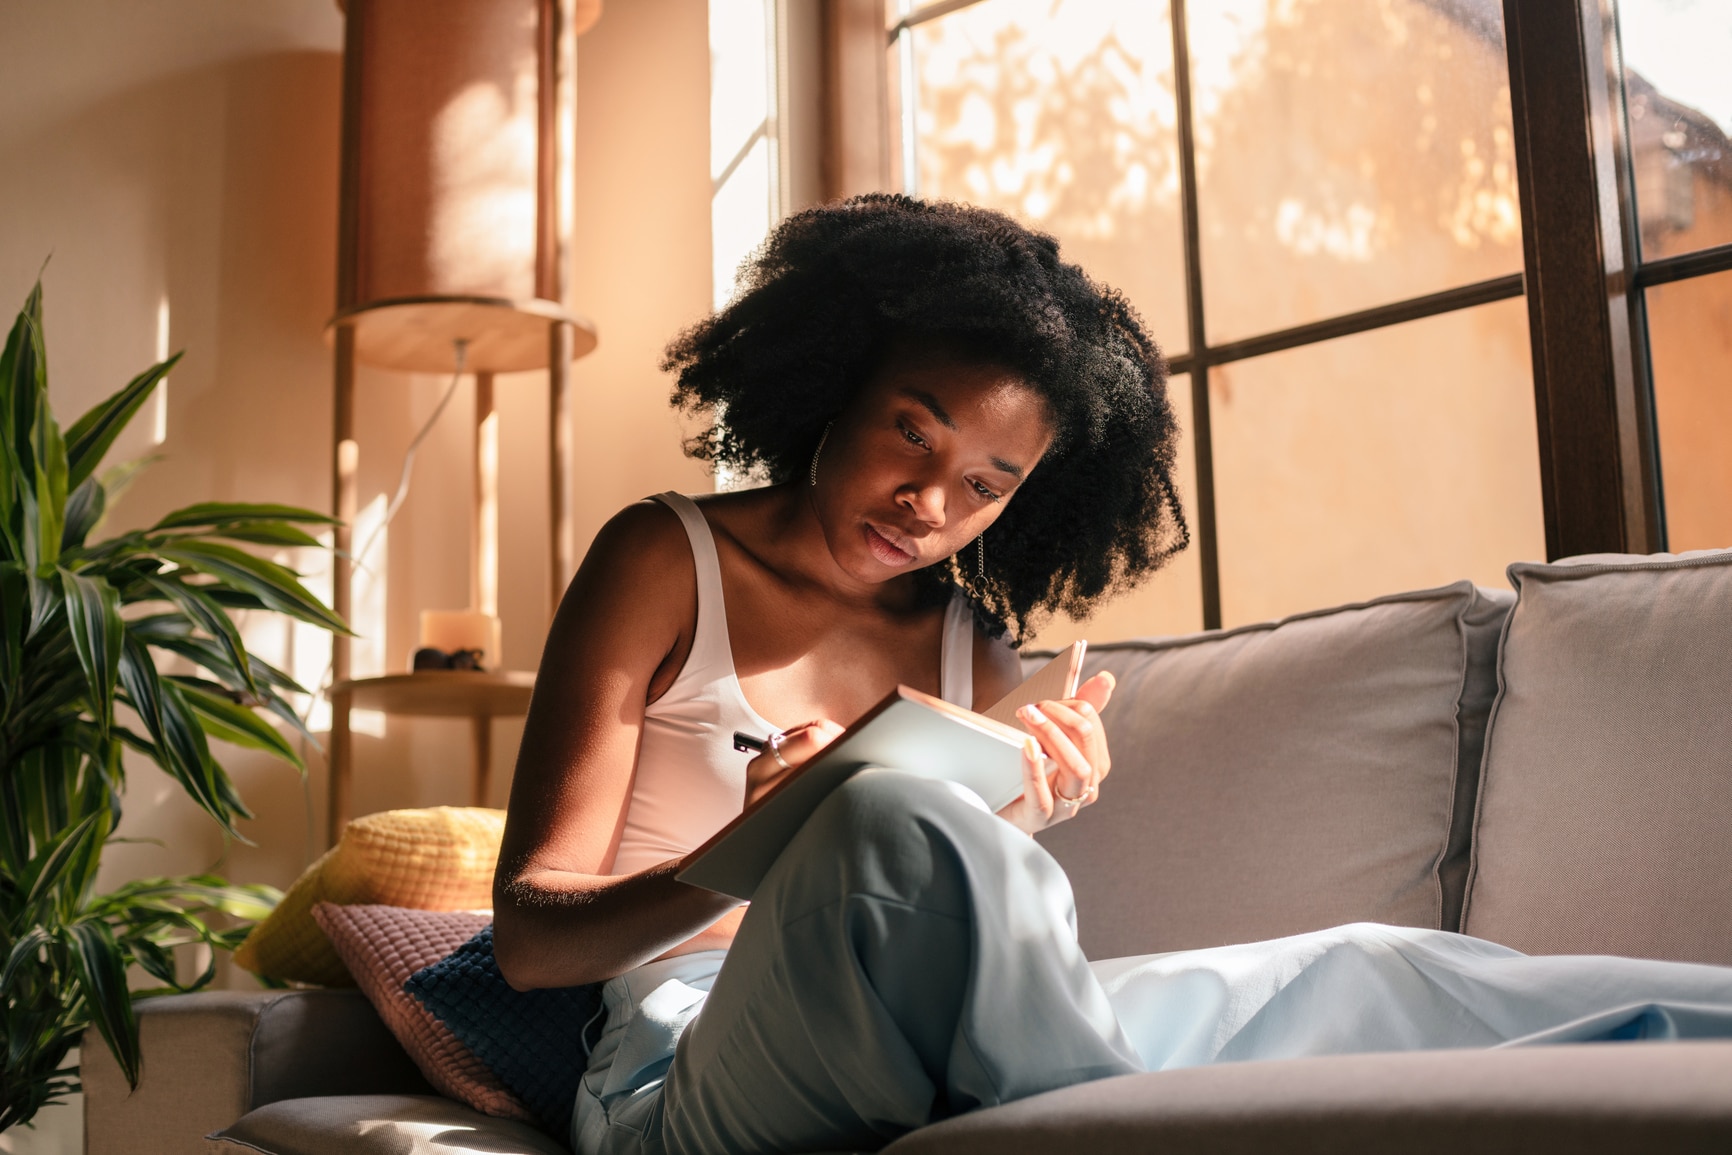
x=1071 y=805
x=775 y=744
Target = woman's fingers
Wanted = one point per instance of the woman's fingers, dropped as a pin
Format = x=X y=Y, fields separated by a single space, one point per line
x=1098 y=690
x=1075 y=776
x=787 y=752
x=1082 y=721
x=1035 y=786
x=808 y=738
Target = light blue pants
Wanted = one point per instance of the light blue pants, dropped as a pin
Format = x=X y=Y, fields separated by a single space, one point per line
x=911 y=957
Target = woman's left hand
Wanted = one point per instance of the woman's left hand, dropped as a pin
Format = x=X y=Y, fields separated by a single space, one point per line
x=1065 y=760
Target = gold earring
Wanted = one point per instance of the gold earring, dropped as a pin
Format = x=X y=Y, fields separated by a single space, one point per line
x=980 y=557
x=812 y=474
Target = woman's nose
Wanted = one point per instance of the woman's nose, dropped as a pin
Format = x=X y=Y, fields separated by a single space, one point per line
x=925 y=500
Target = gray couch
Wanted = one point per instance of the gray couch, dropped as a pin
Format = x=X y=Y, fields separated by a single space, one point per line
x=1549 y=768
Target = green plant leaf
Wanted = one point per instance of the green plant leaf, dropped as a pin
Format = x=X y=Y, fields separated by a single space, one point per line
x=93 y=614
x=246 y=901
x=233 y=722
x=23 y=951
x=266 y=533
x=271 y=583
x=251 y=901
x=233 y=599
x=208 y=616
x=11 y=374
x=20 y=370
x=156 y=961
x=49 y=868
x=84 y=508
x=35 y=453
x=45 y=602
x=177 y=740
x=48 y=527
x=15 y=621
x=217 y=513
x=101 y=974
x=91 y=435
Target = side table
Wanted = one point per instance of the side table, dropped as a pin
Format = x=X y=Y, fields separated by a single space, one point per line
x=479 y=695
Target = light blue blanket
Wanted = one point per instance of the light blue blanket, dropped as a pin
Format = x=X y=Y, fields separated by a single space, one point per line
x=1368 y=987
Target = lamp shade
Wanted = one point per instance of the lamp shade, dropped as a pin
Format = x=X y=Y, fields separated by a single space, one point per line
x=456 y=193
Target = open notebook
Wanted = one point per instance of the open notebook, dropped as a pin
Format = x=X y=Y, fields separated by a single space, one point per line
x=909 y=731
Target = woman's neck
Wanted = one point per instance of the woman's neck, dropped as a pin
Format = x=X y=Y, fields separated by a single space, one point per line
x=778 y=527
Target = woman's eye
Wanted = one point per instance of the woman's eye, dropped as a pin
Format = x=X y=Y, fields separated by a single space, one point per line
x=984 y=492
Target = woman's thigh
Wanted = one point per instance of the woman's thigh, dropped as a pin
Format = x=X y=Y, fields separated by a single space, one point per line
x=910 y=956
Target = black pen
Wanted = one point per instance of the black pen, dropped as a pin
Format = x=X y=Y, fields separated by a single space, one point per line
x=746 y=744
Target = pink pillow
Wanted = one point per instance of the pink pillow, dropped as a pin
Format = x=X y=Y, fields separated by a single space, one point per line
x=382 y=946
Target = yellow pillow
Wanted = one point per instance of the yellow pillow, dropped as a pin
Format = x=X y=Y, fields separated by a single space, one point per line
x=436 y=859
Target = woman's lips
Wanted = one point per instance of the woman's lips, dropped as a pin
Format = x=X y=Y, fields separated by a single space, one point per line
x=886 y=550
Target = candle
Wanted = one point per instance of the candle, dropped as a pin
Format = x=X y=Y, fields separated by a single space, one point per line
x=453 y=630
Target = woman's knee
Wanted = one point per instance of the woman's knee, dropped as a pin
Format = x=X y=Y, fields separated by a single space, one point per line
x=887 y=834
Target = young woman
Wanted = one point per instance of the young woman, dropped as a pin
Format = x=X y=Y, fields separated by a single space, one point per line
x=962 y=434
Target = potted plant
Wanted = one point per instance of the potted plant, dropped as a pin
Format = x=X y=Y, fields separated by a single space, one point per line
x=84 y=623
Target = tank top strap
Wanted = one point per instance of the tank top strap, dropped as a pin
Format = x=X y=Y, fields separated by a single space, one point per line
x=711 y=655
x=956 y=662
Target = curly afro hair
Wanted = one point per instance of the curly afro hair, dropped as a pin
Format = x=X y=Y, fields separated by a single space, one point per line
x=834 y=287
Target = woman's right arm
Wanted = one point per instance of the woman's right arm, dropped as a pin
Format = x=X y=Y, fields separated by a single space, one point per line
x=559 y=918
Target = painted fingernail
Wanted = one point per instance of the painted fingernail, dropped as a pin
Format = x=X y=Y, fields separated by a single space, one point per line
x=1033 y=714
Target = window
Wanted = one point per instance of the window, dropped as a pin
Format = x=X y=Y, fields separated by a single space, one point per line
x=746 y=168
x=1444 y=283
x=1314 y=206
x=1678 y=100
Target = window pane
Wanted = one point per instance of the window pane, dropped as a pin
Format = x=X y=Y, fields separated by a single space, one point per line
x=742 y=153
x=1392 y=460
x=1171 y=602
x=1348 y=155
x=1061 y=113
x=1678 y=90
x=1690 y=341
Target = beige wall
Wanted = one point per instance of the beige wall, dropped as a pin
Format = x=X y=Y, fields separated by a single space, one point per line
x=187 y=150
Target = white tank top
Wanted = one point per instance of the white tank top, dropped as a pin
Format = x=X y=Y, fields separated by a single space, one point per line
x=690 y=781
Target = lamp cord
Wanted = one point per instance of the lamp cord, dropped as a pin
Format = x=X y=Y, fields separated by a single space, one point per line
x=408 y=469
x=358 y=559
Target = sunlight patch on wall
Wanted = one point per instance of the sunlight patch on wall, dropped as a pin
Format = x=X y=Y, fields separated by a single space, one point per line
x=159 y=426
x=367 y=604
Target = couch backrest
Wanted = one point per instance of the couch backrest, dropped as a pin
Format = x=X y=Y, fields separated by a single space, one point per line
x=1288 y=776
x=1605 y=817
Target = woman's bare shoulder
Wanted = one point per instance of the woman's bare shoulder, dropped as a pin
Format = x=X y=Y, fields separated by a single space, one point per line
x=634 y=593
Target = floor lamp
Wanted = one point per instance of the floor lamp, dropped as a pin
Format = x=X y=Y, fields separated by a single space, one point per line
x=454 y=227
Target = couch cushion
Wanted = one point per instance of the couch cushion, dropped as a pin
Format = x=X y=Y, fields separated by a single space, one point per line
x=536 y=1042
x=440 y=858
x=377 y=1125
x=1609 y=1097
x=1288 y=776
x=1605 y=821
x=383 y=947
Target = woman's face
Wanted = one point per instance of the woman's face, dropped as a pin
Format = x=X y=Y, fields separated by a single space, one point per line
x=924 y=459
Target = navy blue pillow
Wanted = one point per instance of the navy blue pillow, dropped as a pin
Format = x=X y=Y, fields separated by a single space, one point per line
x=534 y=1041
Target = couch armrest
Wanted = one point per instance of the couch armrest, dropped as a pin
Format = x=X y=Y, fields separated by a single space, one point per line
x=211 y=1057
